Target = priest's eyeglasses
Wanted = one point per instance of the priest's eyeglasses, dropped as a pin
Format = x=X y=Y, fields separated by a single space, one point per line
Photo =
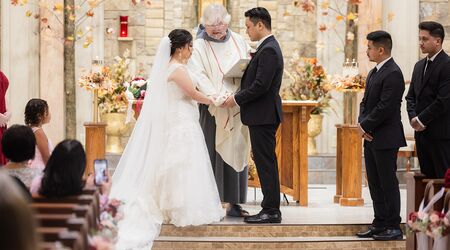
x=217 y=25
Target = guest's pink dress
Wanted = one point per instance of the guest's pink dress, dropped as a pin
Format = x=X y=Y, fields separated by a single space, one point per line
x=38 y=162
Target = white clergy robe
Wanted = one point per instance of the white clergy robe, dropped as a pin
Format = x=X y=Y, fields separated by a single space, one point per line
x=209 y=62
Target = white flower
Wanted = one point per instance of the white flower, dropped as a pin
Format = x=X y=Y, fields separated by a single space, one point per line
x=129 y=95
x=139 y=83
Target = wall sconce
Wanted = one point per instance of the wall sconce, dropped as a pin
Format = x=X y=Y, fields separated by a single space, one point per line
x=123 y=26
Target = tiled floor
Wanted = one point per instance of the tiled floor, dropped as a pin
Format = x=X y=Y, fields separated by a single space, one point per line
x=320 y=209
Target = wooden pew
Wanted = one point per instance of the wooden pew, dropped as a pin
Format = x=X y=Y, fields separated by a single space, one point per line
x=68 y=221
x=68 y=238
x=83 y=199
x=81 y=211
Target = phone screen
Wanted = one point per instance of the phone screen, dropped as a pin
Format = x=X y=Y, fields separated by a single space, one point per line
x=100 y=168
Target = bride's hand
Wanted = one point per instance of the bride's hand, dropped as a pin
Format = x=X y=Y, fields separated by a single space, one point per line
x=219 y=100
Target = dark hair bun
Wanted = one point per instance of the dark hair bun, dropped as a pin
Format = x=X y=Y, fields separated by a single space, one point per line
x=179 y=38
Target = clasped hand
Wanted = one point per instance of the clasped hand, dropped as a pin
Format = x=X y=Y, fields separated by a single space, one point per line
x=416 y=125
x=364 y=135
x=4 y=118
x=219 y=100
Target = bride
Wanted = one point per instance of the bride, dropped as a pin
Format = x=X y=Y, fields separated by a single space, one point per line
x=165 y=174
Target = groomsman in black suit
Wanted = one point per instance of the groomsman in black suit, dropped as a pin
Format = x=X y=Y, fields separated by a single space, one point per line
x=428 y=102
x=260 y=105
x=381 y=127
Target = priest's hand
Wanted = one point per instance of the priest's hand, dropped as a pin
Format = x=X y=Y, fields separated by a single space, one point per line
x=229 y=102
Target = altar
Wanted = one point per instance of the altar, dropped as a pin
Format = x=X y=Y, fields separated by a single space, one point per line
x=292 y=150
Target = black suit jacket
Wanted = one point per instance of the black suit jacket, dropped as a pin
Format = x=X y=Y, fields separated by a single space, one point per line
x=259 y=97
x=429 y=96
x=380 y=113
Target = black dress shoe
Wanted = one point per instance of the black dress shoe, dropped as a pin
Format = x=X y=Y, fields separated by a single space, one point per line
x=264 y=217
x=371 y=232
x=389 y=234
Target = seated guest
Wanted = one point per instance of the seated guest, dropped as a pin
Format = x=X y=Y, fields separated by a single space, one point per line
x=18 y=145
x=18 y=227
x=37 y=114
x=63 y=174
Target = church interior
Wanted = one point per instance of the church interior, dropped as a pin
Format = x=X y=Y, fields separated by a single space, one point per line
x=58 y=51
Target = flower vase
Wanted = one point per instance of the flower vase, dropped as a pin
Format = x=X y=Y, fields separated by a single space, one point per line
x=314 y=129
x=350 y=108
x=115 y=129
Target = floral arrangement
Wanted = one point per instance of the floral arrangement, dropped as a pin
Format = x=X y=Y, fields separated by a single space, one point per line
x=309 y=82
x=357 y=82
x=110 y=85
x=106 y=235
x=136 y=88
x=434 y=224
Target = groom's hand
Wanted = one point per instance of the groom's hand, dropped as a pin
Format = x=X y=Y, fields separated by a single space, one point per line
x=229 y=102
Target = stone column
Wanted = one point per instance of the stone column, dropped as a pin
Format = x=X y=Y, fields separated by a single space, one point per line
x=51 y=62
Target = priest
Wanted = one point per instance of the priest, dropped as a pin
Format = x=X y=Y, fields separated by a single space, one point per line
x=216 y=50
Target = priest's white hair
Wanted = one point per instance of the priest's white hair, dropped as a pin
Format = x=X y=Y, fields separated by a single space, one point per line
x=215 y=13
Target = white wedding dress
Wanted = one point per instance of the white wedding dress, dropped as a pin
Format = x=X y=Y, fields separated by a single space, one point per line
x=164 y=174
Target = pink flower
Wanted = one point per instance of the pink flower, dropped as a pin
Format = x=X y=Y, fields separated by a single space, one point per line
x=118 y=216
x=434 y=218
x=114 y=202
x=100 y=243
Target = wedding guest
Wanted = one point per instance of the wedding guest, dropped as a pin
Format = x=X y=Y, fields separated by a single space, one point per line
x=4 y=115
x=216 y=49
x=19 y=147
x=63 y=174
x=381 y=128
x=18 y=226
x=428 y=102
x=37 y=114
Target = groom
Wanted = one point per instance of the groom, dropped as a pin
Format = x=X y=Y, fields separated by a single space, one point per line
x=260 y=105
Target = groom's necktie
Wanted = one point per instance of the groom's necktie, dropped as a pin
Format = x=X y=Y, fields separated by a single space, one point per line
x=374 y=71
x=427 y=64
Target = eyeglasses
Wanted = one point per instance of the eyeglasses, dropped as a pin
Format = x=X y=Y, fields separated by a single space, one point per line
x=217 y=25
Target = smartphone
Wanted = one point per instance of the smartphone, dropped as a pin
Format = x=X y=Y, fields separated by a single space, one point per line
x=100 y=168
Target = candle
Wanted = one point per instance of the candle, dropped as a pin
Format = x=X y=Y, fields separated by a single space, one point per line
x=96 y=65
x=123 y=26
